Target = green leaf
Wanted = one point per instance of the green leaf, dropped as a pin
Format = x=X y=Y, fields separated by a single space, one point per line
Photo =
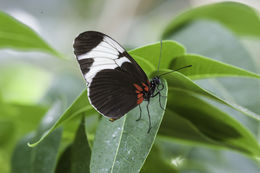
x=192 y=158
x=151 y=54
x=40 y=159
x=146 y=65
x=45 y=154
x=16 y=35
x=80 y=156
x=174 y=57
x=21 y=157
x=209 y=124
x=155 y=163
x=176 y=127
x=49 y=119
x=91 y=127
x=64 y=162
x=240 y=18
x=76 y=156
x=122 y=146
x=203 y=67
x=16 y=120
x=79 y=106
x=179 y=81
x=43 y=157
x=215 y=41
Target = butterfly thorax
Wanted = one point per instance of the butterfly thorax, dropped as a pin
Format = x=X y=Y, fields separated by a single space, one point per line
x=154 y=83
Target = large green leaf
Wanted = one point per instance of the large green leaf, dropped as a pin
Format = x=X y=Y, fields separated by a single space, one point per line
x=64 y=162
x=80 y=156
x=22 y=155
x=16 y=120
x=211 y=39
x=40 y=159
x=173 y=56
x=198 y=121
x=181 y=82
x=45 y=154
x=16 y=35
x=49 y=119
x=215 y=41
x=155 y=163
x=178 y=128
x=122 y=146
x=76 y=156
x=151 y=53
x=79 y=106
x=203 y=67
x=199 y=159
x=43 y=157
x=240 y=18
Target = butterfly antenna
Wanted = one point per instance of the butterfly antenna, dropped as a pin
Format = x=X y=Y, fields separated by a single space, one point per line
x=174 y=70
x=160 y=57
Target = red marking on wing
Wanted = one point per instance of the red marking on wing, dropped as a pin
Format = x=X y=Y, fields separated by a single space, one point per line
x=138 y=87
x=140 y=100
x=148 y=82
x=146 y=88
x=139 y=95
x=137 y=91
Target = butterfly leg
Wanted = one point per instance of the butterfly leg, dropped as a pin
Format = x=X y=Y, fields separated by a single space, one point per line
x=140 y=116
x=160 y=101
x=159 y=92
x=160 y=89
x=149 y=117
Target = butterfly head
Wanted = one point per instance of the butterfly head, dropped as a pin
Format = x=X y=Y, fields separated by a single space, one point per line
x=154 y=84
x=155 y=81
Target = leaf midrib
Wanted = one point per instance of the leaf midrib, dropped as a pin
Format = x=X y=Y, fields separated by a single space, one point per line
x=117 y=149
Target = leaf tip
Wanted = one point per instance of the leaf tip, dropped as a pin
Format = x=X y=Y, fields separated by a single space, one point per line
x=31 y=145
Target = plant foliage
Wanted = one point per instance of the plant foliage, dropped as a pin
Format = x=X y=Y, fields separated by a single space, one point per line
x=197 y=113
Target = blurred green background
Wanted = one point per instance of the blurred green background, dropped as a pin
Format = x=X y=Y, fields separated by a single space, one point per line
x=30 y=82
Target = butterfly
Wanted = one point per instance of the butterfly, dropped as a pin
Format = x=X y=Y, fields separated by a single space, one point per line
x=115 y=82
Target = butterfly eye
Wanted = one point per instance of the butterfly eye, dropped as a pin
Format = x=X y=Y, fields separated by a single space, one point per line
x=157 y=81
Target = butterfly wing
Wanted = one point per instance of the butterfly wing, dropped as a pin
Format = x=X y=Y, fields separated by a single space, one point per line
x=113 y=78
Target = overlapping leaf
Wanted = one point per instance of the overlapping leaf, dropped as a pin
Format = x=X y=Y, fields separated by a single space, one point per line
x=79 y=106
x=188 y=117
x=76 y=156
x=155 y=163
x=40 y=159
x=151 y=53
x=16 y=35
x=203 y=67
x=238 y=17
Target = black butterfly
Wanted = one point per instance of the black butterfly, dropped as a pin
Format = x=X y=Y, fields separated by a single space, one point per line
x=116 y=83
